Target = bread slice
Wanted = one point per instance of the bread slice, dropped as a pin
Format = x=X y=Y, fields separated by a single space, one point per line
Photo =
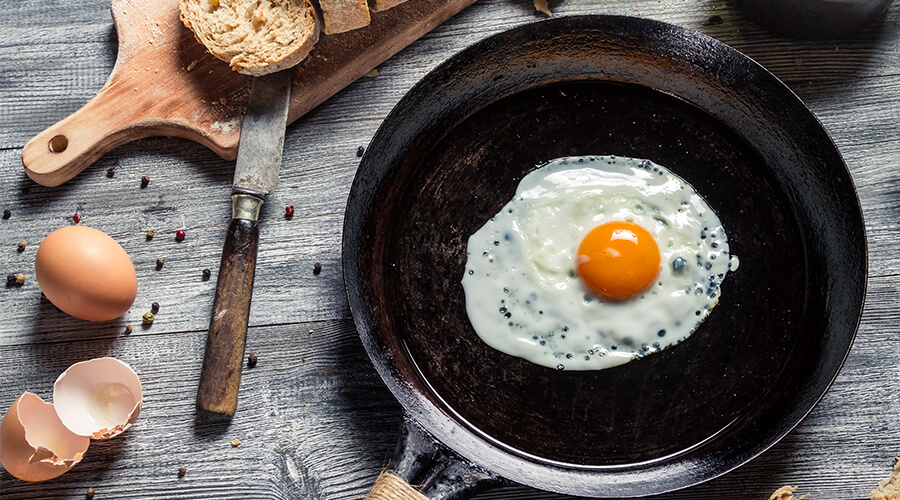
x=889 y=489
x=255 y=37
x=785 y=493
x=344 y=15
x=380 y=5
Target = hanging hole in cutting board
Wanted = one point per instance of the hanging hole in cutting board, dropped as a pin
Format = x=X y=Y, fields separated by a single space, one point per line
x=58 y=144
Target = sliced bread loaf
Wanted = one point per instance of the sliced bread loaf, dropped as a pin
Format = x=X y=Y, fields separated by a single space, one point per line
x=344 y=15
x=380 y=5
x=255 y=37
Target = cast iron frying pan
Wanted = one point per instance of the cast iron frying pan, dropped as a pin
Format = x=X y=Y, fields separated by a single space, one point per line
x=450 y=155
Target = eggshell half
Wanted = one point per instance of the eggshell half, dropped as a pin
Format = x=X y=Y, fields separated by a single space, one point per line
x=100 y=398
x=34 y=443
x=85 y=273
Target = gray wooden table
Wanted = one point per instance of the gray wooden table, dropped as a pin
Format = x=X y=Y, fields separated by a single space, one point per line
x=315 y=421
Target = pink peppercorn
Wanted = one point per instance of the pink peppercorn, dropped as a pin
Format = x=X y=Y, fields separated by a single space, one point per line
x=179 y=235
x=289 y=211
x=76 y=218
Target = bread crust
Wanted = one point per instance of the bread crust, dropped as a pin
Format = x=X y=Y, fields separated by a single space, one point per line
x=344 y=15
x=255 y=37
x=380 y=5
x=889 y=489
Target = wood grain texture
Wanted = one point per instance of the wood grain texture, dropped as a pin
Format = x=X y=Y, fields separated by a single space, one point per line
x=57 y=56
x=164 y=83
x=223 y=358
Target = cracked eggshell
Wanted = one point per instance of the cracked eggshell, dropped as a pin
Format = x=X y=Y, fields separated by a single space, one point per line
x=34 y=443
x=99 y=398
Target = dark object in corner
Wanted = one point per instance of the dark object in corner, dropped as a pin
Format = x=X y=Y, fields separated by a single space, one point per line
x=813 y=19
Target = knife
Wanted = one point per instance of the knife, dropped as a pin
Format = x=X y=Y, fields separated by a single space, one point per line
x=255 y=175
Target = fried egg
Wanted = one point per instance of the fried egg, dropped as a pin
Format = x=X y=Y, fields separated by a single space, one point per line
x=595 y=262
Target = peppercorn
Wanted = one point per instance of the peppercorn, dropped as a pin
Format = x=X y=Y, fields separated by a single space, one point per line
x=21 y=246
x=150 y=234
x=147 y=319
x=713 y=21
x=179 y=235
x=7 y=214
x=145 y=181
x=10 y=279
x=89 y=493
x=20 y=279
x=360 y=151
x=182 y=471
x=76 y=218
x=128 y=329
x=317 y=268
x=206 y=274
x=154 y=307
x=289 y=211
x=235 y=443
x=251 y=360
x=110 y=172
x=159 y=264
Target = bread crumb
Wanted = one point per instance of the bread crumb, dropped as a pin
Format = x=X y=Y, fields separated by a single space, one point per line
x=223 y=100
x=785 y=493
x=192 y=65
x=235 y=443
x=372 y=74
x=541 y=6
x=889 y=489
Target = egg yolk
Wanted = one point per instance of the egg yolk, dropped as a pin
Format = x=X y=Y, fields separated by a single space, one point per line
x=618 y=260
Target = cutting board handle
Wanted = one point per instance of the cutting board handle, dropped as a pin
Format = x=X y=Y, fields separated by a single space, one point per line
x=60 y=152
x=163 y=84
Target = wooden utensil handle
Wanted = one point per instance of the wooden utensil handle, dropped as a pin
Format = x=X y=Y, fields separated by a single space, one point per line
x=220 y=376
x=437 y=472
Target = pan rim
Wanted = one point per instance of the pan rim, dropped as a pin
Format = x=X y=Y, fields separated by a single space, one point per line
x=472 y=446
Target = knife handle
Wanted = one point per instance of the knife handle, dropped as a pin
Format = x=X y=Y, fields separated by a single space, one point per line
x=220 y=376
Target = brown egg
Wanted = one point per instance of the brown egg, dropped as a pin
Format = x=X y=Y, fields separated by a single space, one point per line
x=85 y=273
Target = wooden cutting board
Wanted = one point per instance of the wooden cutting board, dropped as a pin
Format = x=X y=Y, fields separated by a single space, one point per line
x=164 y=83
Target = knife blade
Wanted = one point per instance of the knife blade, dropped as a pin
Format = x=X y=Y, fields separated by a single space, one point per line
x=255 y=176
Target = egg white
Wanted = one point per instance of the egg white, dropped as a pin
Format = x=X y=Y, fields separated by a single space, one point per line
x=523 y=295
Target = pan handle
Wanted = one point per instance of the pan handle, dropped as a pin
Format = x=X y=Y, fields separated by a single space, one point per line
x=436 y=472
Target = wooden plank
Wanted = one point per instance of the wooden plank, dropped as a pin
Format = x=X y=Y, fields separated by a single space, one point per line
x=57 y=56
x=315 y=421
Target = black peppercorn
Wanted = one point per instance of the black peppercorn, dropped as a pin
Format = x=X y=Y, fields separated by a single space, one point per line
x=317 y=268
x=7 y=214
x=10 y=279
x=206 y=274
x=713 y=21
x=154 y=307
x=110 y=172
x=145 y=181
x=251 y=360
x=159 y=264
x=360 y=151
